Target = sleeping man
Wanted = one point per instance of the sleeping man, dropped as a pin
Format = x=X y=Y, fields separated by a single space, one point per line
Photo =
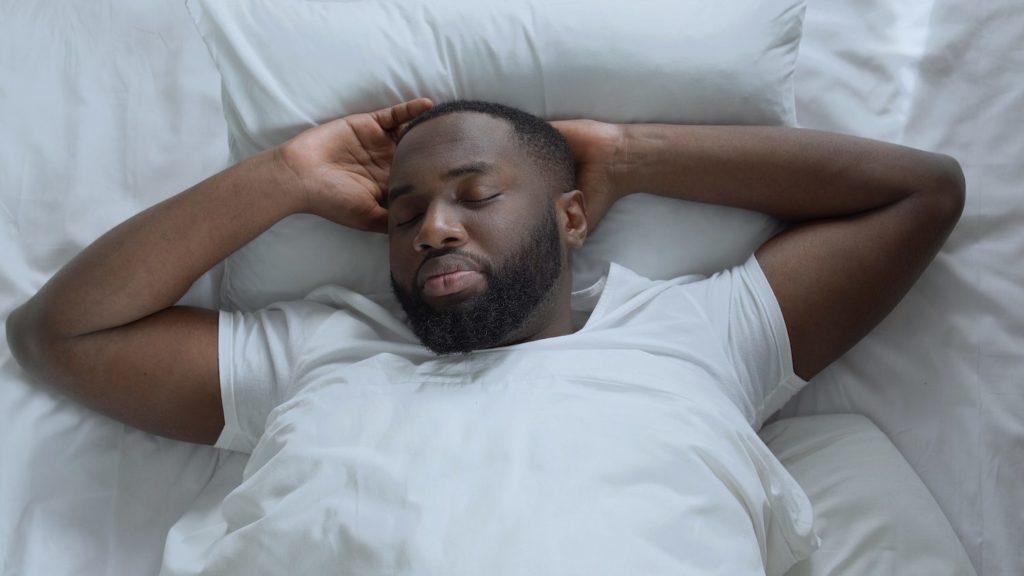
x=487 y=419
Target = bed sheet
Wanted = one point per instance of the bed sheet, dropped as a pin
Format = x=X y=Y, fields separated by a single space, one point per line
x=106 y=107
x=109 y=106
x=943 y=375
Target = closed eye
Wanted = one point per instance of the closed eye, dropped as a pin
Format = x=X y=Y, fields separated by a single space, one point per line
x=408 y=222
x=476 y=202
x=481 y=200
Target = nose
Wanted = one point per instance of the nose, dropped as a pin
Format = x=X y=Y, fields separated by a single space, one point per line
x=440 y=228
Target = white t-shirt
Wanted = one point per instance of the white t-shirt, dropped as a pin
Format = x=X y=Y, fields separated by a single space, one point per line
x=627 y=447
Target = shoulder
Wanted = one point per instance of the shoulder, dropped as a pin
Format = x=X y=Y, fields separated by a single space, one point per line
x=621 y=291
x=326 y=306
x=719 y=291
x=624 y=284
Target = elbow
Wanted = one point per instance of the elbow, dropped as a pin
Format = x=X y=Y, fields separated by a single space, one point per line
x=938 y=191
x=19 y=337
x=27 y=340
x=948 y=188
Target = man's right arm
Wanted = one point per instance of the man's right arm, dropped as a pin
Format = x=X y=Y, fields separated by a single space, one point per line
x=105 y=331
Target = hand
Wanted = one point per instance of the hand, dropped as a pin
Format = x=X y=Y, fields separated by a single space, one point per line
x=342 y=166
x=599 y=151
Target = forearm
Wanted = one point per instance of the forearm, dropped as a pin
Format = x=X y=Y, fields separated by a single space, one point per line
x=792 y=174
x=147 y=263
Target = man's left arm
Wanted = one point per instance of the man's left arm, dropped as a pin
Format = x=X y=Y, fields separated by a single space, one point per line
x=865 y=217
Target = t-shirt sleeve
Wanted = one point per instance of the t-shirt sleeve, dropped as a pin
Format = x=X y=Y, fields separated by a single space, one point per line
x=745 y=316
x=257 y=355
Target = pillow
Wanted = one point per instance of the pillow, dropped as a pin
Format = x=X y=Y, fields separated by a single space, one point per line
x=872 y=512
x=285 y=66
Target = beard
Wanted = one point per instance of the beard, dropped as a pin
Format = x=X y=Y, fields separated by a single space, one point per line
x=515 y=290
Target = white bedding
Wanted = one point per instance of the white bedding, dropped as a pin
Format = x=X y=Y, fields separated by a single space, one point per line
x=856 y=481
x=109 y=106
x=943 y=375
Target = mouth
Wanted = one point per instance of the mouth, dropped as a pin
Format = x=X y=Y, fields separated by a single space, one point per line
x=451 y=283
x=448 y=275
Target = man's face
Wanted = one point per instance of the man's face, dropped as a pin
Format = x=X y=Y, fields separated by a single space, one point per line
x=475 y=244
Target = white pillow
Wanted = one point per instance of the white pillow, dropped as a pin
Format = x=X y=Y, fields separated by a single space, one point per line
x=873 y=513
x=286 y=66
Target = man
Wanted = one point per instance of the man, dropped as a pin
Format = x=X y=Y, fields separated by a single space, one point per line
x=483 y=208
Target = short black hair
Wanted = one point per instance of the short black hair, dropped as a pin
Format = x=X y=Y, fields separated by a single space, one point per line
x=541 y=141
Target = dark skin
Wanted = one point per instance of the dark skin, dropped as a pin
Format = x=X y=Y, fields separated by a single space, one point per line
x=460 y=182
x=866 y=217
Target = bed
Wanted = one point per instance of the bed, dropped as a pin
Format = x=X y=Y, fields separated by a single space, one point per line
x=108 y=107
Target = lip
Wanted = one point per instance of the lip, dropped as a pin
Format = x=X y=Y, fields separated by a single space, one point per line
x=450 y=283
x=446 y=275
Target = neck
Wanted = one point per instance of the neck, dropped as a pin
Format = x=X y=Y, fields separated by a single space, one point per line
x=553 y=317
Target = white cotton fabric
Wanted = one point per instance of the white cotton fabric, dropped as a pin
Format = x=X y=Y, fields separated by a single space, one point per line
x=873 y=513
x=943 y=375
x=626 y=447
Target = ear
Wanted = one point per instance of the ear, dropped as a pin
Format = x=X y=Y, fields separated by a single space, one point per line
x=572 y=210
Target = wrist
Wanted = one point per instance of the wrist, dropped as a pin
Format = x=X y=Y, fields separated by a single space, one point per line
x=621 y=175
x=284 y=164
x=651 y=157
x=624 y=172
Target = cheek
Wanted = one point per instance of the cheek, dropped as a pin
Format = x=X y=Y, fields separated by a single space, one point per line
x=491 y=240
x=496 y=230
x=400 y=259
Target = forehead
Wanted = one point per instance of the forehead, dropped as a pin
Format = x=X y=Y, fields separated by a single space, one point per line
x=442 y=143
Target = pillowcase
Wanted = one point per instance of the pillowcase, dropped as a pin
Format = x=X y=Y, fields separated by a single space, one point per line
x=873 y=513
x=286 y=66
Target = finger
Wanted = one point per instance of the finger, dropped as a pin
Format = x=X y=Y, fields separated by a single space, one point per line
x=394 y=116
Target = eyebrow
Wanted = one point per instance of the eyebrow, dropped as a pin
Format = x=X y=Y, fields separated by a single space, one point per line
x=478 y=167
